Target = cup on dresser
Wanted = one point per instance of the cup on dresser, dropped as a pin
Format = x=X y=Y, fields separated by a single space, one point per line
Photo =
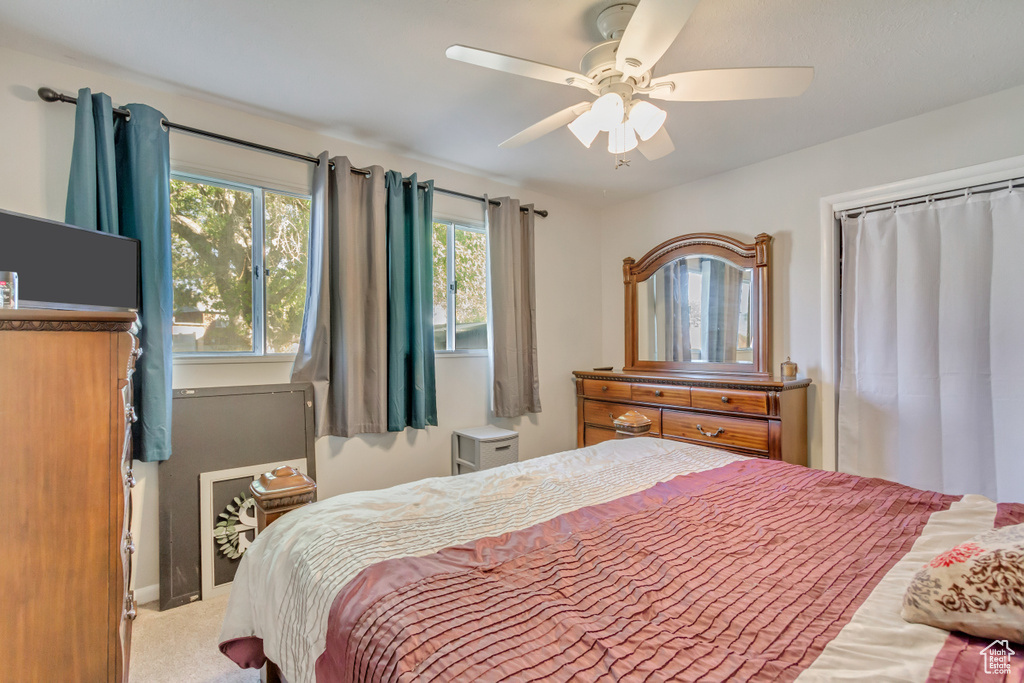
x=8 y=289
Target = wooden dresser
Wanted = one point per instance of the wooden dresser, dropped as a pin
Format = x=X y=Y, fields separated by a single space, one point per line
x=766 y=418
x=65 y=458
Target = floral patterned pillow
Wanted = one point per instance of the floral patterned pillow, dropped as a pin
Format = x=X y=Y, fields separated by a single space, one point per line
x=977 y=587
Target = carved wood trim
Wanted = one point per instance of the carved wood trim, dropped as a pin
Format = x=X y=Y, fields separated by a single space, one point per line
x=773 y=403
x=64 y=326
x=692 y=381
x=697 y=242
x=756 y=256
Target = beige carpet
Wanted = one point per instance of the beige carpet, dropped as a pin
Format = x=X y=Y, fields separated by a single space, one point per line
x=180 y=646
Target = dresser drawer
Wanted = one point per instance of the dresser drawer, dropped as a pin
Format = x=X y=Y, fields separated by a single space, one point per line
x=716 y=430
x=657 y=393
x=594 y=435
x=604 y=414
x=599 y=388
x=732 y=400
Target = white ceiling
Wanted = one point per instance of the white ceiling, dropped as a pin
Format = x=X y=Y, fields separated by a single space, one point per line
x=374 y=71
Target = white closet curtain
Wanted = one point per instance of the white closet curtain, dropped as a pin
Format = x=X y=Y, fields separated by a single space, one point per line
x=932 y=387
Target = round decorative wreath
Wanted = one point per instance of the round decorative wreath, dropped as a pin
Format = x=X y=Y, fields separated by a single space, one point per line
x=237 y=526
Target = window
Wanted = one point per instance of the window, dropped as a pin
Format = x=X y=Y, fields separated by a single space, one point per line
x=238 y=256
x=460 y=287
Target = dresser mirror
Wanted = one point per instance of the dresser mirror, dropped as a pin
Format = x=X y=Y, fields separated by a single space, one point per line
x=699 y=304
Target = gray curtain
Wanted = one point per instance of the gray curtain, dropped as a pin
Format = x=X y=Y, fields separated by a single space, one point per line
x=343 y=344
x=677 y=311
x=723 y=310
x=120 y=183
x=513 y=296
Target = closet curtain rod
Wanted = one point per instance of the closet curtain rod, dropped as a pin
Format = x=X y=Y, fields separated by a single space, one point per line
x=985 y=188
x=51 y=95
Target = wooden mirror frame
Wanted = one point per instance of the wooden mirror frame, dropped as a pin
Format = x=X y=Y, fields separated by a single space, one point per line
x=754 y=256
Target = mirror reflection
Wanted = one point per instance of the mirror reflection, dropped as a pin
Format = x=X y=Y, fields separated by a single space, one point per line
x=695 y=309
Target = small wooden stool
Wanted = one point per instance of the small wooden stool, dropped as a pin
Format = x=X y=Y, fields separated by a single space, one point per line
x=280 y=491
x=631 y=424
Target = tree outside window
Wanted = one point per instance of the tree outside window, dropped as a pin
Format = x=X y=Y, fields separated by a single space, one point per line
x=460 y=287
x=238 y=267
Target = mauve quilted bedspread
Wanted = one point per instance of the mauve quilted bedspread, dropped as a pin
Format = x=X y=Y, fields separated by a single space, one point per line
x=643 y=560
x=744 y=572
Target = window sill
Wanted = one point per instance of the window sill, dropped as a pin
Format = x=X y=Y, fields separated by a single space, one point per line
x=471 y=353
x=210 y=359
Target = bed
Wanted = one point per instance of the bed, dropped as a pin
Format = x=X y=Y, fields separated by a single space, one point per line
x=641 y=559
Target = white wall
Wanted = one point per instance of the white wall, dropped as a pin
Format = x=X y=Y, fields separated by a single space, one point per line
x=35 y=140
x=781 y=196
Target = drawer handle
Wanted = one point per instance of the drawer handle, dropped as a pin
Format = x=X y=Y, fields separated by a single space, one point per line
x=129 y=607
x=604 y=388
x=129 y=479
x=657 y=392
x=725 y=399
x=129 y=544
x=709 y=434
x=503 y=448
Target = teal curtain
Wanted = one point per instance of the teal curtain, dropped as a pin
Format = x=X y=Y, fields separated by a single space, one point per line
x=120 y=183
x=412 y=392
x=92 y=188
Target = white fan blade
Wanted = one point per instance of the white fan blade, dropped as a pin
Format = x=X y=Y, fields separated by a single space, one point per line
x=733 y=84
x=515 y=65
x=652 y=28
x=548 y=125
x=657 y=146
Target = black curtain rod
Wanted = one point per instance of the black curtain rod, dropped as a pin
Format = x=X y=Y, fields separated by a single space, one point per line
x=51 y=95
x=984 y=188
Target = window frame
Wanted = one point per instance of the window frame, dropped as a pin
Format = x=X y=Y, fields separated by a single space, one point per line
x=259 y=272
x=452 y=288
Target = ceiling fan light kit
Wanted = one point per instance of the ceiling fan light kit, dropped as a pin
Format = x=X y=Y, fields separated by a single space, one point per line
x=646 y=119
x=585 y=128
x=615 y=71
x=608 y=111
x=622 y=138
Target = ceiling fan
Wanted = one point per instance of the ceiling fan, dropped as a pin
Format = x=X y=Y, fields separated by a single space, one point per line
x=619 y=69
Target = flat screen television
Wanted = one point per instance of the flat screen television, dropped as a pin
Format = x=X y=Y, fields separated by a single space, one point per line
x=66 y=267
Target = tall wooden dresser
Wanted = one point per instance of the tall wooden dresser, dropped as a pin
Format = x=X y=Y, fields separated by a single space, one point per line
x=65 y=467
